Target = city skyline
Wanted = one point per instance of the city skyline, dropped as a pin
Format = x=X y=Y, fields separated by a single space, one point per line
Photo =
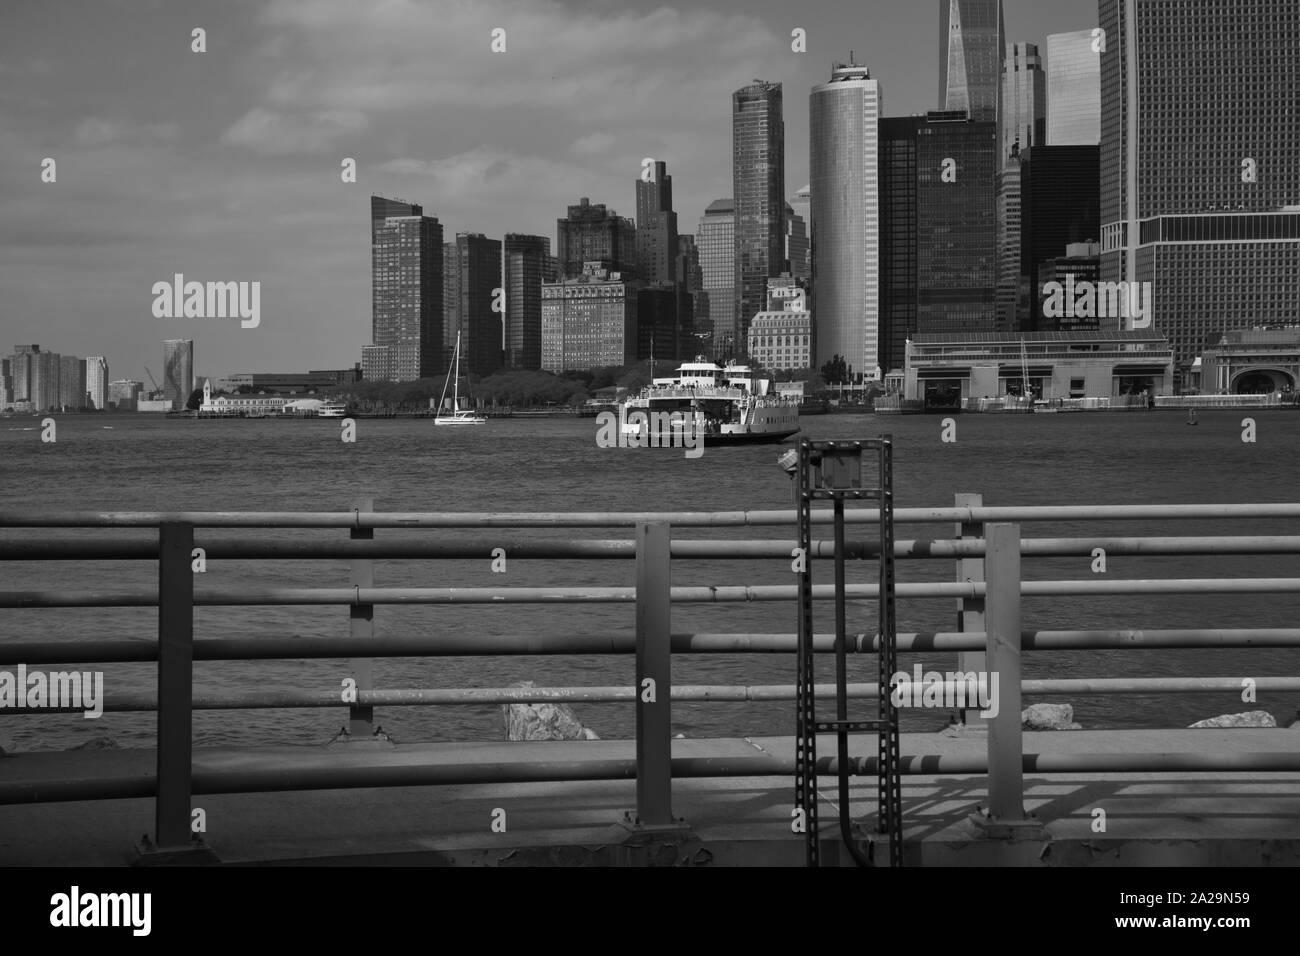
x=231 y=171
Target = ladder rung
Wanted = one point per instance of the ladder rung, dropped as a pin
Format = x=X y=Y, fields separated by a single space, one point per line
x=852 y=726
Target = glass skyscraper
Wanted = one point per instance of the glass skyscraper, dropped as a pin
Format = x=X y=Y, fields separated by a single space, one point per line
x=526 y=267
x=1196 y=174
x=178 y=371
x=843 y=128
x=716 y=245
x=758 y=179
x=1073 y=90
x=972 y=41
x=406 y=293
x=898 y=137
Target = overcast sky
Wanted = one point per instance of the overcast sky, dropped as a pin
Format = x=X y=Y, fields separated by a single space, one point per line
x=225 y=165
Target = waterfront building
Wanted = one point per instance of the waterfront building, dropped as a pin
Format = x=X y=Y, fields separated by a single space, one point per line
x=72 y=383
x=290 y=383
x=97 y=382
x=592 y=233
x=450 y=302
x=1059 y=201
x=1060 y=365
x=972 y=42
x=758 y=193
x=1252 y=362
x=781 y=340
x=6 y=383
x=589 y=321
x=956 y=235
x=1200 y=163
x=406 y=294
x=663 y=331
x=178 y=371
x=124 y=394
x=21 y=372
x=717 y=249
x=1073 y=89
x=844 y=155
x=527 y=266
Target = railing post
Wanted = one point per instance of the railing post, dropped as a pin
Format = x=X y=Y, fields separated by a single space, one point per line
x=654 y=781
x=175 y=685
x=1006 y=813
x=970 y=610
x=361 y=719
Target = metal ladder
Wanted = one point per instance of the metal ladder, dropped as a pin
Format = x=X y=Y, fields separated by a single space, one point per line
x=833 y=469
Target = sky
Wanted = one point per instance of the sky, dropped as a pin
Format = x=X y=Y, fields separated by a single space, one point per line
x=225 y=165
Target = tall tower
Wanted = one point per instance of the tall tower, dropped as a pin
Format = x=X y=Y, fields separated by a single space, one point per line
x=97 y=381
x=843 y=129
x=1200 y=158
x=656 y=227
x=406 y=293
x=480 y=327
x=178 y=371
x=758 y=179
x=526 y=267
x=972 y=42
x=717 y=249
x=1073 y=89
x=592 y=233
x=1022 y=125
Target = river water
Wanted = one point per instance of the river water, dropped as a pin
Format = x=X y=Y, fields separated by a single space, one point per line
x=149 y=463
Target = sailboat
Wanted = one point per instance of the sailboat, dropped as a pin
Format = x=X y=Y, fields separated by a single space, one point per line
x=457 y=415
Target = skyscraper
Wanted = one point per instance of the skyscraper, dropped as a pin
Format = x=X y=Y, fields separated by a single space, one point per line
x=801 y=203
x=717 y=247
x=592 y=233
x=972 y=42
x=526 y=267
x=956 y=223
x=1059 y=203
x=656 y=227
x=72 y=383
x=178 y=371
x=796 y=260
x=1073 y=89
x=758 y=179
x=1023 y=121
x=843 y=129
x=450 y=301
x=898 y=221
x=1197 y=175
x=97 y=381
x=480 y=328
x=406 y=293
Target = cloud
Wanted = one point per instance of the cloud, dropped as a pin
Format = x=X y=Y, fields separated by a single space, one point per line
x=592 y=143
x=94 y=131
x=276 y=133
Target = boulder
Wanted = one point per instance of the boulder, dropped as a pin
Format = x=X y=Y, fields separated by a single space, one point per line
x=1252 y=718
x=543 y=720
x=1049 y=717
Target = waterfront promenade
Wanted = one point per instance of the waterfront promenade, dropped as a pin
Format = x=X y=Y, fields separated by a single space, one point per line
x=990 y=795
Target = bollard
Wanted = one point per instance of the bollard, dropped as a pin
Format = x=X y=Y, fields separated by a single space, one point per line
x=653 y=662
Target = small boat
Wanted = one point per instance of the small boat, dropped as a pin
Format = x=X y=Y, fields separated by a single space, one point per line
x=1191 y=416
x=456 y=415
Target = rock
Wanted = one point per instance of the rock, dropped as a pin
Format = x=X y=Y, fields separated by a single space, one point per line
x=101 y=742
x=543 y=720
x=1252 y=718
x=1049 y=717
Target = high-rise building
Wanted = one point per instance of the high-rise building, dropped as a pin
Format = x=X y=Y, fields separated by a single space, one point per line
x=656 y=227
x=124 y=394
x=72 y=383
x=801 y=203
x=843 y=130
x=22 y=372
x=6 y=383
x=758 y=179
x=592 y=233
x=898 y=221
x=589 y=321
x=480 y=328
x=718 y=269
x=1080 y=264
x=1012 y=297
x=406 y=296
x=956 y=237
x=1199 y=176
x=1023 y=121
x=450 y=300
x=178 y=371
x=1058 y=206
x=97 y=381
x=797 y=261
x=527 y=266
x=972 y=42
x=1073 y=89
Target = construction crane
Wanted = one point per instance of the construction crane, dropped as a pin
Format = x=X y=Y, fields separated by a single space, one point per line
x=156 y=389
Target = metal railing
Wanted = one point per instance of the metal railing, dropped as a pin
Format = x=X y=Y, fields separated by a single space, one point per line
x=987 y=549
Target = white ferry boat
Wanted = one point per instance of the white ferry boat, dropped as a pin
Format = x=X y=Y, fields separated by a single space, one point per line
x=729 y=406
x=331 y=410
